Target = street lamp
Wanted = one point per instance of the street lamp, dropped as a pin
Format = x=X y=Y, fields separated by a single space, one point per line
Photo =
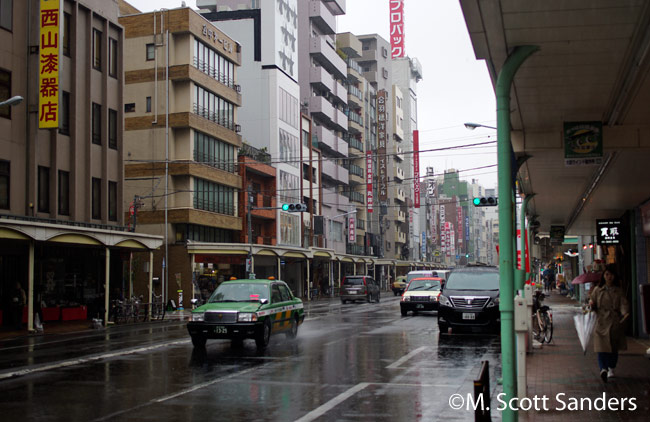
x=12 y=101
x=472 y=126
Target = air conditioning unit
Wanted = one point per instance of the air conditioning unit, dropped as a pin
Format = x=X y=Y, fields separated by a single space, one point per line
x=307 y=223
x=237 y=128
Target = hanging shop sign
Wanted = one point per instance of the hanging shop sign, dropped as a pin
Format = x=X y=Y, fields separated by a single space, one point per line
x=381 y=146
x=557 y=235
x=369 y=194
x=583 y=143
x=608 y=232
x=416 y=169
x=48 y=75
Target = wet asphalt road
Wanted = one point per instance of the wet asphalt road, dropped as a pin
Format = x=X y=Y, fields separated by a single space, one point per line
x=353 y=362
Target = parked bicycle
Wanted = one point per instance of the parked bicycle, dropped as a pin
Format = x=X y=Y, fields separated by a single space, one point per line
x=542 y=323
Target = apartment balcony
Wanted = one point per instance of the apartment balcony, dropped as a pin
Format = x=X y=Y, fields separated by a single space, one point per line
x=361 y=224
x=399 y=153
x=322 y=17
x=335 y=172
x=352 y=249
x=322 y=108
x=357 y=174
x=354 y=196
x=400 y=236
x=266 y=201
x=326 y=55
x=400 y=195
x=340 y=92
x=329 y=140
x=399 y=174
x=340 y=120
x=401 y=216
x=355 y=143
x=319 y=77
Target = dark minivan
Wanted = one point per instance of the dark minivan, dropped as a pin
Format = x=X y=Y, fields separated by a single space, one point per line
x=359 y=287
x=470 y=299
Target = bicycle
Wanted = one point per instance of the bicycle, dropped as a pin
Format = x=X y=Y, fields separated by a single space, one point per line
x=542 y=319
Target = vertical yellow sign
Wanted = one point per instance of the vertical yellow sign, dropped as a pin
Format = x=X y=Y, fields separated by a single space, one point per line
x=48 y=79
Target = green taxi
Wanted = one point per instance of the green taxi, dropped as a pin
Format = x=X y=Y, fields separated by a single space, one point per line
x=240 y=309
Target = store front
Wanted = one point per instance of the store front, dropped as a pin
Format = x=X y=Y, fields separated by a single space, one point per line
x=68 y=273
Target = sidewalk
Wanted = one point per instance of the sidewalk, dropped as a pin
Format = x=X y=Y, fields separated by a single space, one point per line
x=68 y=327
x=561 y=367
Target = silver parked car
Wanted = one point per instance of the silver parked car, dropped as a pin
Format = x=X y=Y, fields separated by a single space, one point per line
x=359 y=287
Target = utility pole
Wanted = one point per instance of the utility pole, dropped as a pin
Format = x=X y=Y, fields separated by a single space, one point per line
x=249 y=260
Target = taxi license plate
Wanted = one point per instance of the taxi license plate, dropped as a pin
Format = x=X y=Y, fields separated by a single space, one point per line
x=353 y=291
x=419 y=306
x=469 y=315
x=220 y=330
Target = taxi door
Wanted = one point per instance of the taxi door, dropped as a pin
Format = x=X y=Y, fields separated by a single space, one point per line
x=281 y=316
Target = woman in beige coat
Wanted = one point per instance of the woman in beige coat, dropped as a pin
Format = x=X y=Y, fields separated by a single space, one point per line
x=610 y=304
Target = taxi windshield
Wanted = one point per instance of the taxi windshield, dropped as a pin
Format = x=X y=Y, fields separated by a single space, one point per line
x=240 y=292
x=424 y=284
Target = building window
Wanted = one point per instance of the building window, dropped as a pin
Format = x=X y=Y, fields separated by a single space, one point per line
x=43 y=189
x=5 y=92
x=212 y=152
x=112 y=128
x=288 y=109
x=112 y=201
x=97 y=199
x=112 y=57
x=210 y=196
x=214 y=108
x=66 y=33
x=97 y=124
x=151 y=52
x=6 y=14
x=97 y=49
x=4 y=184
x=129 y=108
x=148 y=104
x=64 y=192
x=64 y=113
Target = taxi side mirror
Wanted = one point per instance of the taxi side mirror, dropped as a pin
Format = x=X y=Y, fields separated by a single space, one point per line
x=264 y=301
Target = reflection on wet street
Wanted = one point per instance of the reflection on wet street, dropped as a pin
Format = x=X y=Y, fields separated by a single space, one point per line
x=349 y=362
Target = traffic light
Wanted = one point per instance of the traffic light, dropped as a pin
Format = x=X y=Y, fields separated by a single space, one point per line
x=485 y=201
x=294 y=207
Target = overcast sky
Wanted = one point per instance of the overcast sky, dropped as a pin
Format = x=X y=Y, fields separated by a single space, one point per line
x=455 y=87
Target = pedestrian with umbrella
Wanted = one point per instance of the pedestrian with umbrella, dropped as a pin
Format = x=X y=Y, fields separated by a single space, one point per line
x=612 y=309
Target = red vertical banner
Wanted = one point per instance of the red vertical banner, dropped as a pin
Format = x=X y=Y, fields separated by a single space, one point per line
x=369 y=195
x=397 y=28
x=352 y=235
x=416 y=169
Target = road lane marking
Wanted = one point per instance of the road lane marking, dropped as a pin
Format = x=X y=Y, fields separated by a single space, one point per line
x=324 y=408
x=79 y=361
x=403 y=359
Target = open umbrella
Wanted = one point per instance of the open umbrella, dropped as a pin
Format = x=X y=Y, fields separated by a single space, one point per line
x=587 y=278
x=585 y=323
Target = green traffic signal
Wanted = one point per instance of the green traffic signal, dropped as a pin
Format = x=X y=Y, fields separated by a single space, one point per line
x=285 y=207
x=477 y=201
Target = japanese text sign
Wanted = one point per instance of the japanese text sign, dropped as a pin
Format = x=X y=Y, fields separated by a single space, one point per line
x=397 y=28
x=369 y=194
x=48 y=75
x=608 y=232
x=381 y=145
x=416 y=169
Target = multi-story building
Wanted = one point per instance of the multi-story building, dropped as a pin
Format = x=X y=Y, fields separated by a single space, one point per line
x=62 y=228
x=323 y=91
x=270 y=112
x=406 y=73
x=375 y=65
x=180 y=141
x=357 y=139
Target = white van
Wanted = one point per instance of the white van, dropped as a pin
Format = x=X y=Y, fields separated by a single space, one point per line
x=443 y=274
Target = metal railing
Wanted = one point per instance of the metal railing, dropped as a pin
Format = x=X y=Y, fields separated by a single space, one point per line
x=354 y=65
x=213 y=206
x=215 y=74
x=218 y=118
x=355 y=143
x=212 y=161
x=256 y=154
